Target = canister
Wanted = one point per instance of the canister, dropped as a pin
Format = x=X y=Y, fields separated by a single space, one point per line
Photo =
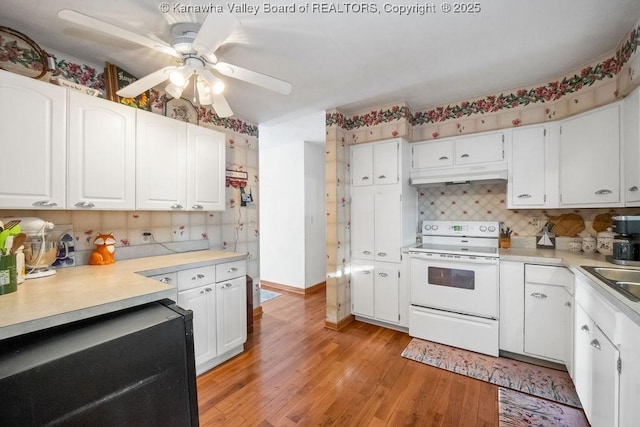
x=8 y=274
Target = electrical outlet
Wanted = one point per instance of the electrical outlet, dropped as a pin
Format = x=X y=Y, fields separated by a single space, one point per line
x=535 y=222
x=146 y=236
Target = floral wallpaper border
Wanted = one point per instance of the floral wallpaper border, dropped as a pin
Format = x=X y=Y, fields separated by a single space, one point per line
x=552 y=91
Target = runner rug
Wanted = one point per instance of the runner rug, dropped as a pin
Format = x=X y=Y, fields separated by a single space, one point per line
x=518 y=409
x=547 y=383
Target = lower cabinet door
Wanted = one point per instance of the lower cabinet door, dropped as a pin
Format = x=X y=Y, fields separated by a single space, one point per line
x=231 y=314
x=544 y=313
x=202 y=301
x=386 y=295
x=362 y=290
x=605 y=381
x=583 y=358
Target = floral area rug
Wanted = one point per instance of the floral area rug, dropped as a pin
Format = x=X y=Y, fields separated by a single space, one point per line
x=539 y=381
x=518 y=409
x=267 y=295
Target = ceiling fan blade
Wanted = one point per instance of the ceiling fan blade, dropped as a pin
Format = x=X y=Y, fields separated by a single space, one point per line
x=145 y=83
x=253 y=77
x=221 y=106
x=215 y=29
x=115 y=31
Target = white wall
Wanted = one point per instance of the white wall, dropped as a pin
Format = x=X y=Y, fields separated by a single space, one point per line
x=292 y=221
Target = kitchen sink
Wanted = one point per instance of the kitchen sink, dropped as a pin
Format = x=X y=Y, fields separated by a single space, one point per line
x=624 y=280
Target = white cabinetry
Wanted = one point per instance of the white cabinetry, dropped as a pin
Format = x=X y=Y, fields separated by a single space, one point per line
x=631 y=141
x=383 y=220
x=217 y=296
x=590 y=158
x=34 y=118
x=375 y=164
x=630 y=372
x=473 y=149
x=102 y=141
x=179 y=166
x=533 y=172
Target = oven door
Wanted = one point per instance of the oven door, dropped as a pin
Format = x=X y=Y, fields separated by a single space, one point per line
x=461 y=284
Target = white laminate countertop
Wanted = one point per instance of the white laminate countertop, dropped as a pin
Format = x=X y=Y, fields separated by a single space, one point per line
x=574 y=261
x=81 y=292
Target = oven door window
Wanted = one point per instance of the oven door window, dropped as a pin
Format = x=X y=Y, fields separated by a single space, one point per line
x=451 y=277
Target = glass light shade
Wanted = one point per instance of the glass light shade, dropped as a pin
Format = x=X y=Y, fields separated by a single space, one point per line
x=204 y=92
x=217 y=85
x=173 y=90
x=179 y=77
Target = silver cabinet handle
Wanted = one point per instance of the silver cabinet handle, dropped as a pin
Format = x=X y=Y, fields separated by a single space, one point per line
x=634 y=188
x=165 y=280
x=382 y=177
x=585 y=328
x=45 y=204
x=205 y=290
x=84 y=205
x=365 y=178
x=603 y=191
x=209 y=290
x=382 y=254
x=524 y=196
x=538 y=295
x=443 y=158
x=197 y=207
x=383 y=275
x=176 y=206
x=232 y=270
x=366 y=272
x=464 y=156
x=366 y=252
x=226 y=285
x=567 y=304
x=595 y=344
x=198 y=276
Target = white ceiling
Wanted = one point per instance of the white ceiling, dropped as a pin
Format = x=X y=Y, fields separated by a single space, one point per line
x=354 y=60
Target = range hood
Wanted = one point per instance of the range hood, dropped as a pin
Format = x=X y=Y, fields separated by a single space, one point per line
x=485 y=174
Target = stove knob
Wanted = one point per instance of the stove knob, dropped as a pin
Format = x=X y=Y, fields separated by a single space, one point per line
x=483 y=228
x=492 y=228
x=434 y=227
x=427 y=227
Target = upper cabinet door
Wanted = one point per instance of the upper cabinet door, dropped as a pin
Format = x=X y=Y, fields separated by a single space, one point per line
x=102 y=141
x=432 y=154
x=205 y=169
x=631 y=138
x=479 y=149
x=362 y=165
x=527 y=179
x=161 y=162
x=590 y=158
x=385 y=162
x=33 y=136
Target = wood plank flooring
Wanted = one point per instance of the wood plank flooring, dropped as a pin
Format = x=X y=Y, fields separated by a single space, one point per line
x=295 y=372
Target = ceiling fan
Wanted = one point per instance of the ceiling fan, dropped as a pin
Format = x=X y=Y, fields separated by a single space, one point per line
x=194 y=45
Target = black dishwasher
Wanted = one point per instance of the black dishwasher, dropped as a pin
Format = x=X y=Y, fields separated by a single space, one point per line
x=134 y=367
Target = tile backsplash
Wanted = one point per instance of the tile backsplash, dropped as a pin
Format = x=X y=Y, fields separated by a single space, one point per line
x=488 y=203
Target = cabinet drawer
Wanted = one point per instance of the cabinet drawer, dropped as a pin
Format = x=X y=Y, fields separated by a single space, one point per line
x=549 y=275
x=194 y=277
x=479 y=149
x=229 y=270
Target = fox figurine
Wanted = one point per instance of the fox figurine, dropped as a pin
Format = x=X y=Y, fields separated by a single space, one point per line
x=105 y=250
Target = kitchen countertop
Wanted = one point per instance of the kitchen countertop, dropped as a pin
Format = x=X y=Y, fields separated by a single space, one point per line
x=574 y=261
x=81 y=292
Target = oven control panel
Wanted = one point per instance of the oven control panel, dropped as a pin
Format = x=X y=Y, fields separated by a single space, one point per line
x=461 y=228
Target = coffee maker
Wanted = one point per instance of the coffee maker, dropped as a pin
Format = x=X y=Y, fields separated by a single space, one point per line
x=626 y=245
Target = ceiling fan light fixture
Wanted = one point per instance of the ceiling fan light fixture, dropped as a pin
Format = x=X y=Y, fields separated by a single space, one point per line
x=174 y=90
x=216 y=85
x=180 y=77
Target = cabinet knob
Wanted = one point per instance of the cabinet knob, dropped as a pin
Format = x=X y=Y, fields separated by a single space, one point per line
x=595 y=344
x=383 y=275
x=197 y=207
x=524 y=196
x=585 y=328
x=443 y=158
x=176 y=206
x=633 y=189
x=603 y=191
x=85 y=205
x=44 y=204
x=538 y=295
x=464 y=156
x=382 y=254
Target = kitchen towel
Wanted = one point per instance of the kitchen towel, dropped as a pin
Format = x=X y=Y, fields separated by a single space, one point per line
x=518 y=409
x=547 y=383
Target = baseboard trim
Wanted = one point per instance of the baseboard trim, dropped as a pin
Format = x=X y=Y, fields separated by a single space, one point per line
x=318 y=287
x=341 y=324
x=257 y=313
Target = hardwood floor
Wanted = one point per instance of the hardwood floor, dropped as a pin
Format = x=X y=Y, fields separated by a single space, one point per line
x=295 y=372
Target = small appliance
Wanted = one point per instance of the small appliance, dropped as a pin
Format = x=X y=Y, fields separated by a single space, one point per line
x=626 y=246
x=40 y=248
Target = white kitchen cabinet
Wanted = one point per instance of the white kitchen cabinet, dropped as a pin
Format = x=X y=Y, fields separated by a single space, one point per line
x=102 y=141
x=362 y=223
x=629 y=372
x=161 y=162
x=202 y=301
x=375 y=163
x=590 y=158
x=458 y=151
x=631 y=142
x=545 y=331
x=205 y=169
x=170 y=278
x=376 y=292
x=569 y=330
x=34 y=117
x=526 y=185
x=231 y=318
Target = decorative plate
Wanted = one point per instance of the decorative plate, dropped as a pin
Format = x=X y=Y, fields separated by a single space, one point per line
x=181 y=109
x=19 y=54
